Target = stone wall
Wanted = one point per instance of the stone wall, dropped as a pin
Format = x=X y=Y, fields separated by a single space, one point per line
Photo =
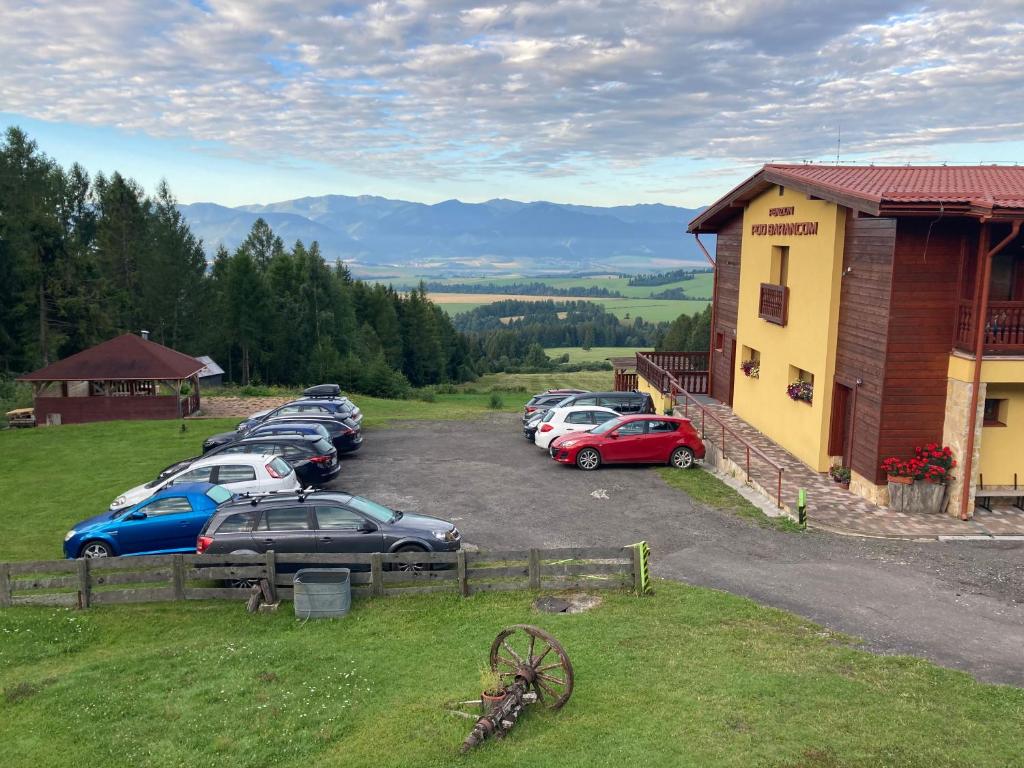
x=954 y=434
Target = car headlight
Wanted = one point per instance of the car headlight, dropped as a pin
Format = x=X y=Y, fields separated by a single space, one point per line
x=450 y=535
x=69 y=534
x=567 y=443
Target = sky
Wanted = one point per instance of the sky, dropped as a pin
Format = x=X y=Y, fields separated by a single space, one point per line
x=600 y=102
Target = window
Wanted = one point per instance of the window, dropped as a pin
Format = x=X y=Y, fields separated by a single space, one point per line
x=240 y=523
x=219 y=494
x=376 y=511
x=201 y=475
x=285 y=519
x=171 y=506
x=631 y=428
x=236 y=449
x=322 y=445
x=995 y=412
x=312 y=409
x=600 y=417
x=235 y=473
x=719 y=342
x=585 y=401
x=282 y=467
x=338 y=517
x=780 y=265
x=287 y=409
x=548 y=416
x=661 y=427
x=579 y=417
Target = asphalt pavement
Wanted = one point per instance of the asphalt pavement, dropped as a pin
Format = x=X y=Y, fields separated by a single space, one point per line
x=960 y=604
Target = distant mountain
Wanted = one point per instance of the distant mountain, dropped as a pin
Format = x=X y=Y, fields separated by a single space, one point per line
x=452 y=237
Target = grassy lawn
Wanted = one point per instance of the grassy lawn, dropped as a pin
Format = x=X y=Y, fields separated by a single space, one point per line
x=594 y=354
x=597 y=381
x=708 y=489
x=688 y=677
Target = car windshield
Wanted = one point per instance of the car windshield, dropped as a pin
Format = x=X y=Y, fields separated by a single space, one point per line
x=219 y=494
x=379 y=513
x=608 y=426
x=548 y=415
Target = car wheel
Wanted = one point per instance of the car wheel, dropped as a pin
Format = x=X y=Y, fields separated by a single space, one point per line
x=93 y=549
x=410 y=567
x=682 y=458
x=588 y=459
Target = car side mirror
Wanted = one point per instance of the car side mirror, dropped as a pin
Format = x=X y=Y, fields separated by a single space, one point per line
x=613 y=434
x=368 y=527
x=137 y=515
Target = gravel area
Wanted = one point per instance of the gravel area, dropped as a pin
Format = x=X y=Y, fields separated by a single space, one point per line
x=960 y=604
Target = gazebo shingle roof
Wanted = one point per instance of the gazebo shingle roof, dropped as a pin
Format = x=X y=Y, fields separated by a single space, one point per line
x=123 y=358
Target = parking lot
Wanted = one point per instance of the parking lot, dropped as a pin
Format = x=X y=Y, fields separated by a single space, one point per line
x=961 y=605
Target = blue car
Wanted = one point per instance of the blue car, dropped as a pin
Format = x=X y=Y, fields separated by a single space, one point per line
x=165 y=523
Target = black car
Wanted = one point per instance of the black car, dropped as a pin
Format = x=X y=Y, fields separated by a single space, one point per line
x=345 y=435
x=322 y=521
x=322 y=400
x=621 y=402
x=545 y=400
x=530 y=427
x=314 y=458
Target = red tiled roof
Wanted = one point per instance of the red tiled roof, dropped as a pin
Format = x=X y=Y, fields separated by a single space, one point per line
x=122 y=358
x=977 y=190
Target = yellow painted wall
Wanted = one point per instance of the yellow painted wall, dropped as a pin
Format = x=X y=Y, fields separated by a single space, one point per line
x=662 y=403
x=808 y=341
x=994 y=371
x=1001 y=447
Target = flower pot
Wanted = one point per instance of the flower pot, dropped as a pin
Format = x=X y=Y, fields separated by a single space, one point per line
x=845 y=485
x=900 y=479
x=488 y=700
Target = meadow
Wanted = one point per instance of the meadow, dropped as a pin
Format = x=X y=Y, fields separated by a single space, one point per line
x=684 y=677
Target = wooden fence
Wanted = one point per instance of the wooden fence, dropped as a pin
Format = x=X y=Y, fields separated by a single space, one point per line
x=102 y=581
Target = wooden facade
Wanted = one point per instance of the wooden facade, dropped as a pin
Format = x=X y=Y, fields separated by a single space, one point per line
x=727 y=297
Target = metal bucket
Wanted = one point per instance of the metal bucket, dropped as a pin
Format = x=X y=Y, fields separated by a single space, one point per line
x=322 y=593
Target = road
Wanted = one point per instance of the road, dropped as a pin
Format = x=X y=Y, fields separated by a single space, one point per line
x=959 y=604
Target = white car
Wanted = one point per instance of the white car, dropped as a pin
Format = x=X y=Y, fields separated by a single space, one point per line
x=238 y=472
x=575 y=418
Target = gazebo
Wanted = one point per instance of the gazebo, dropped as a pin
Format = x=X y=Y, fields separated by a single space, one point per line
x=127 y=377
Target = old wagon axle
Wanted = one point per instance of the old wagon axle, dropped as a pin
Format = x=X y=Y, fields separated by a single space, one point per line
x=533 y=668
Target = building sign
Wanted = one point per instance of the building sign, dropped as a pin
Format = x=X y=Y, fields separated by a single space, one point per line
x=787 y=211
x=787 y=228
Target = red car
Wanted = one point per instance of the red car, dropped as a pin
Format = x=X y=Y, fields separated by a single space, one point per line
x=631 y=440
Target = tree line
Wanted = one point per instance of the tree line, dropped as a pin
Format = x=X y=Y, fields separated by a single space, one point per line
x=664 y=278
x=535 y=288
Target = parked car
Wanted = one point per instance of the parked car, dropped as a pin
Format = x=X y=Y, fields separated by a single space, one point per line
x=288 y=427
x=621 y=402
x=314 y=459
x=166 y=522
x=237 y=473
x=576 y=418
x=324 y=400
x=323 y=521
x=345 y=435
x=631 y=440
x=543 y=401
x=530 y=427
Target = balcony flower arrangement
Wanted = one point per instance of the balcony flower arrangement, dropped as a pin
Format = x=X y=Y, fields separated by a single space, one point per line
x=751 y=368
x=918 y=484
x=802 y=391
x=841 y=475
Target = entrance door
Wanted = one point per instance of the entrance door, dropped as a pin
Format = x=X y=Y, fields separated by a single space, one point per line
x=839 y=430
x=732 y=371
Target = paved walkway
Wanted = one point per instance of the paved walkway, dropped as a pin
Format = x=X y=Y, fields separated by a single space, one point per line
x=831 y=508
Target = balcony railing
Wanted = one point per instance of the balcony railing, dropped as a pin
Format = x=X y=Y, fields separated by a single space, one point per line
x=774 y=303
x=1004 y=327
x=688 y=370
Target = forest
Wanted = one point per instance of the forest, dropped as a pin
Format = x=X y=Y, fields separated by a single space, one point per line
x=84 y=258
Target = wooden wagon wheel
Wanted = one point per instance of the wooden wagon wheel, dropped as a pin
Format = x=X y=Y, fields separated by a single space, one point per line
x=530 y=653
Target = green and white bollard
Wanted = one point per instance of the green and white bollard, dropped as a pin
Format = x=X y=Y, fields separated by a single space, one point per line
x=801 y=507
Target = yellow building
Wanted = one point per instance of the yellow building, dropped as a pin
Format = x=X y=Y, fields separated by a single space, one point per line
x=850 y=307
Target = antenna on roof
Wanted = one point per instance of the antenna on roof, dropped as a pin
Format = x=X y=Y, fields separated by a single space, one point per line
x=839 y=140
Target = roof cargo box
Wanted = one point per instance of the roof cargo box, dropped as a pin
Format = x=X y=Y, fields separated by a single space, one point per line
x=323 y=390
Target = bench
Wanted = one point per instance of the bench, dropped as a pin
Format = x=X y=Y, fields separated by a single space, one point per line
x=984 y=495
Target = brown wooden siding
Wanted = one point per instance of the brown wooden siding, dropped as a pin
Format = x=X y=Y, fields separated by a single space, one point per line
x=727 y=295
x=922 y=313
x=863 y=329
x=80 y=410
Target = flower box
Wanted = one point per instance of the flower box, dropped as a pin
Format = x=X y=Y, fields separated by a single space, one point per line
x=919 y=484
x=801 y=391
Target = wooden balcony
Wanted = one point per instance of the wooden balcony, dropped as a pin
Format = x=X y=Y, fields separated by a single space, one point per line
x=674 y=372
x=1004 y=328
x=774 y=303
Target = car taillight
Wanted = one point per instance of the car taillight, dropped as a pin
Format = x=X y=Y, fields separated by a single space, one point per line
x=202 y=544
x=530 y=409
x=273 y=472
x=546 y=427
x=320 y=459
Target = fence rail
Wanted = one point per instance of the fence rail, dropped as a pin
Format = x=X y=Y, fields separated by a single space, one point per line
x=665 y=369
x=83 y=583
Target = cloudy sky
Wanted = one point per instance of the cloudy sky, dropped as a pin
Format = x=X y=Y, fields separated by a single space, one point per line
x=588 y=101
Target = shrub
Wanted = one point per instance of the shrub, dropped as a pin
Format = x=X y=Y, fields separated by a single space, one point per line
x=495 y=403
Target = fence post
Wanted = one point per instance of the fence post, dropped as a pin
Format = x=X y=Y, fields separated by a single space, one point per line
x=376 y=574
x=178 y=576
x=460 y=560
x=5 y=585
x=84 y=590
x=534 y=569
x=272 y=574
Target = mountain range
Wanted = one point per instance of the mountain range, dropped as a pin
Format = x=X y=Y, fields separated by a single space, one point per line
x=377 y=235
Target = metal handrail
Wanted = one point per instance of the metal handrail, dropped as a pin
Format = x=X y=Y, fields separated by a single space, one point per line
x=646 y=366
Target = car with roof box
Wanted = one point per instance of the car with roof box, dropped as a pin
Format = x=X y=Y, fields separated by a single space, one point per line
x=345 y=435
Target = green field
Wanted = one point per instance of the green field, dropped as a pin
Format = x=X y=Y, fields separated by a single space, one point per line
x=701 y=285
x=592 y=355
x=686 y=677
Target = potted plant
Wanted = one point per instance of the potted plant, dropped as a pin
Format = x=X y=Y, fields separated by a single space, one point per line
x=919 y=484
x=751 y=368
x=491 y=689
x=841 y=475
x=801 y=391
